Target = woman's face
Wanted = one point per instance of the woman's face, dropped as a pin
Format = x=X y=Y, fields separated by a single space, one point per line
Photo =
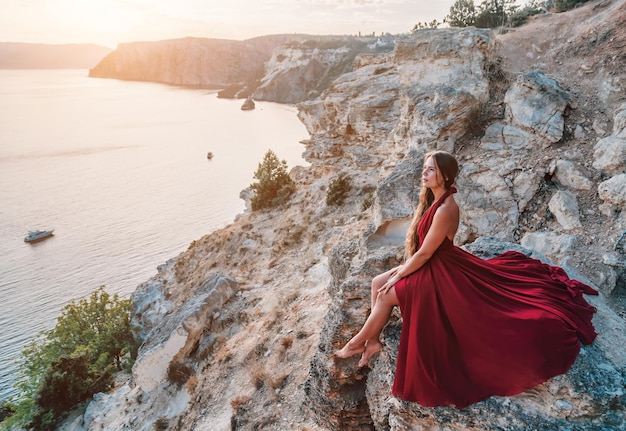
x=431 y=177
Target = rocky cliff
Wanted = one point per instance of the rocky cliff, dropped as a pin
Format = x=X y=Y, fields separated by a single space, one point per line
x=195 y=62
x=239 y=331
x=279 y=68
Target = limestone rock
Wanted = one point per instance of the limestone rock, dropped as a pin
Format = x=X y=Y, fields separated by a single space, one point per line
x=500 y=136
x=610 y=155
x=489 y=201
x=408 y=94
x=340 y=380
x=564 y=206
x=535 y=104
x=567 y=175
x=397 y=194
x=555 y=246
x=613 y=191
x=360 y=104
x=297 y=71
x=436 y=59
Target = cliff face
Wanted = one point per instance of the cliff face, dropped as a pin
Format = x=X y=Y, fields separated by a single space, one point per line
x=281 y=68
x=301 y=70
x=192 y=62
x=239 y=331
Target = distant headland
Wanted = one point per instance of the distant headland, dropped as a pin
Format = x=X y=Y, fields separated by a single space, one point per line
x=17 y=55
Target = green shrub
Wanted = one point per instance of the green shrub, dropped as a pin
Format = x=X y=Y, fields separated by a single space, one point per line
x=494 y=13
x=338 y=190
x=421 y=25
x=77 y=358
x=274 y=186
x=565 y=5
x=532 y=8
x=6 y=409
x=69 y=381
x=462 y=14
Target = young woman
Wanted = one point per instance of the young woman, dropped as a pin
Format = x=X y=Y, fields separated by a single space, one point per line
x=471 y=328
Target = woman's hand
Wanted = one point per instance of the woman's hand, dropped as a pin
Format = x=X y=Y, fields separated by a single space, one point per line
x=394 y=277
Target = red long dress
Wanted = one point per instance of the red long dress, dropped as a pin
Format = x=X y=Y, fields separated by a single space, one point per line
x=472 y=328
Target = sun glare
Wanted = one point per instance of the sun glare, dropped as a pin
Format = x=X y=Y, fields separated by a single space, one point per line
x=96 y=17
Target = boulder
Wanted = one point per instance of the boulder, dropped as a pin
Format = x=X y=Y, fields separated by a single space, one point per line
x=569 y=176
x=535 y=104
x=557 y=247
x=564 y=206
x=610 y=155
x=613 y=191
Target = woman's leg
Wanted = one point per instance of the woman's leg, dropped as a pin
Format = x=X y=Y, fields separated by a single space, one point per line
x=367 y=341
x=378 y=282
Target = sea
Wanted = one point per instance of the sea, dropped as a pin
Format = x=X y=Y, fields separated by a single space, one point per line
x=120 y=171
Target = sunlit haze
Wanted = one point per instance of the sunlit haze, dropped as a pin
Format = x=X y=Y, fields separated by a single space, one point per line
x=109 y=22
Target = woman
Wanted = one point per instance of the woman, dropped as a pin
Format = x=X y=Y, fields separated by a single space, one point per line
x=471 y=328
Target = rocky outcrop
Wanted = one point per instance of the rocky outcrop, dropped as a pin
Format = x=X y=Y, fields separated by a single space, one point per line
x=193 y=62
x=610 y=152
x=301 y=70
x=280 y=68
x=170 y=331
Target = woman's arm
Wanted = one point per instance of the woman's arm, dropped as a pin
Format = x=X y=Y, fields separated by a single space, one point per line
x=444 y=220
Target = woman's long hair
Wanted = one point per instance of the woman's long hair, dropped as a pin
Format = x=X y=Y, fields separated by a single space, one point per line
x=448 y=168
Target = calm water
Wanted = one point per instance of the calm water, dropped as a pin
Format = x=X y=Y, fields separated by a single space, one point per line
x=119 y=170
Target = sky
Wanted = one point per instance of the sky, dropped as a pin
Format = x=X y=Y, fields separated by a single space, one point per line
x=109 y=22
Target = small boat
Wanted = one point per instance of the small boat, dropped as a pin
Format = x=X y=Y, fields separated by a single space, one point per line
x=38 y=235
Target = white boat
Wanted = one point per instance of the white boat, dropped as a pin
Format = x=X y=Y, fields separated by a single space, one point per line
x=37 y=235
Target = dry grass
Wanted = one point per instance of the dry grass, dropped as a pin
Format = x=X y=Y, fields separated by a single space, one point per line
x=239 y=402
x=223 y=355
x=261 y=378
x=161 y=424
x=279 y=381
x=179 y=372
x=191 y=384
x=286 y=342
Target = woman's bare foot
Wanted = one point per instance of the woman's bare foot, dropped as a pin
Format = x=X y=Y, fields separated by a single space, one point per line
x=348 y=351
x=371 y=347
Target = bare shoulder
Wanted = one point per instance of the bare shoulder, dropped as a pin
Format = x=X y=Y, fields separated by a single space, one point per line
x=448 y=215
x=449 y=208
